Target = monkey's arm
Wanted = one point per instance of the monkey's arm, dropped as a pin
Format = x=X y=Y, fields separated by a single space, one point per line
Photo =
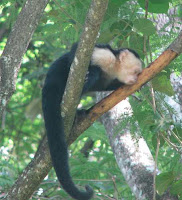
x=115 y=84
x=92 y=77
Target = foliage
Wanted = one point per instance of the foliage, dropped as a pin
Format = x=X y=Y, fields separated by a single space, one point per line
x=124 y=25
x=7 y=173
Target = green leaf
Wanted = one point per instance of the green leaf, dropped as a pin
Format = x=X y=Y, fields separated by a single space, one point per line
x=122 y=29
x=179 y=11
x=160 y=1
x=154 y=141
x=93 y=131
x=145 y=26
x=136 y=43
x=119 y=2
x=122 y=26
x=163 y=181
x=154 y=7
x=178 y=131
x=162 y=84
x=176 y=188
x=33 y=108
x=106 y=37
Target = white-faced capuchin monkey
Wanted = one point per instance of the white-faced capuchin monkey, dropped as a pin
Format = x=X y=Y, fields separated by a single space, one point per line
x=108 y=70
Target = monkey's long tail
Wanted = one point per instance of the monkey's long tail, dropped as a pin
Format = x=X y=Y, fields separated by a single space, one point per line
x=57 y=144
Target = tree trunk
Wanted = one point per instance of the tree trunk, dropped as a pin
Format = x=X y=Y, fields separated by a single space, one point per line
x=36 y=171
x=131 y=152
x=32 y=176
x=16 y=46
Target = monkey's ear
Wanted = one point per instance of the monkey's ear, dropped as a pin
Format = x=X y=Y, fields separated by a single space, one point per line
x=123 y=54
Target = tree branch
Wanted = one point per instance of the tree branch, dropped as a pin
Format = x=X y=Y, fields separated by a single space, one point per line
x=120 y=94
x=16 y=46
x=164 y=59
x=38 y=168
x=81 y=61
x=131 y=152
x=33 y=175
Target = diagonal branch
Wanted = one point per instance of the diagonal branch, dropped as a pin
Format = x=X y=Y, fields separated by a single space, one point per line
x=42 y=156
x=81 y=61
x=38 y=168
x=120 y=94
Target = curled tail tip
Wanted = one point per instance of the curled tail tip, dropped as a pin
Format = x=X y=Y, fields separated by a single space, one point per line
x=89 y=191
x=82 y=195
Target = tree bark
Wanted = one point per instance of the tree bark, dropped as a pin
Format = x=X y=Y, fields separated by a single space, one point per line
x=9 y=66
x=123 y=92
x=99 y=109
x=39 y=167
x=131 y=152
x=32 y=176
x=16 y=46
x=81 y=61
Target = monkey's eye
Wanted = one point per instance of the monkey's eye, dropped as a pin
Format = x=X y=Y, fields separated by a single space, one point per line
x=137 y=72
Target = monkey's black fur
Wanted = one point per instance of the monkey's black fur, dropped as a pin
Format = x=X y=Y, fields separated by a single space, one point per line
x=52 y=94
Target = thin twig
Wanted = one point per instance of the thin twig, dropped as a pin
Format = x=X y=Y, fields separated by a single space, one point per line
x=155 y=167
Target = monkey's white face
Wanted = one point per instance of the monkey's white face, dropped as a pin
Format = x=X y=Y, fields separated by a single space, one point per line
x=129 y=67
x=125 y=68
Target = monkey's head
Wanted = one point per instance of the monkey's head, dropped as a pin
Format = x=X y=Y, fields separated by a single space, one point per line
x=128 y=67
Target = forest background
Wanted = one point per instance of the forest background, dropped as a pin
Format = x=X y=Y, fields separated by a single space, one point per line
x=149 y=121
